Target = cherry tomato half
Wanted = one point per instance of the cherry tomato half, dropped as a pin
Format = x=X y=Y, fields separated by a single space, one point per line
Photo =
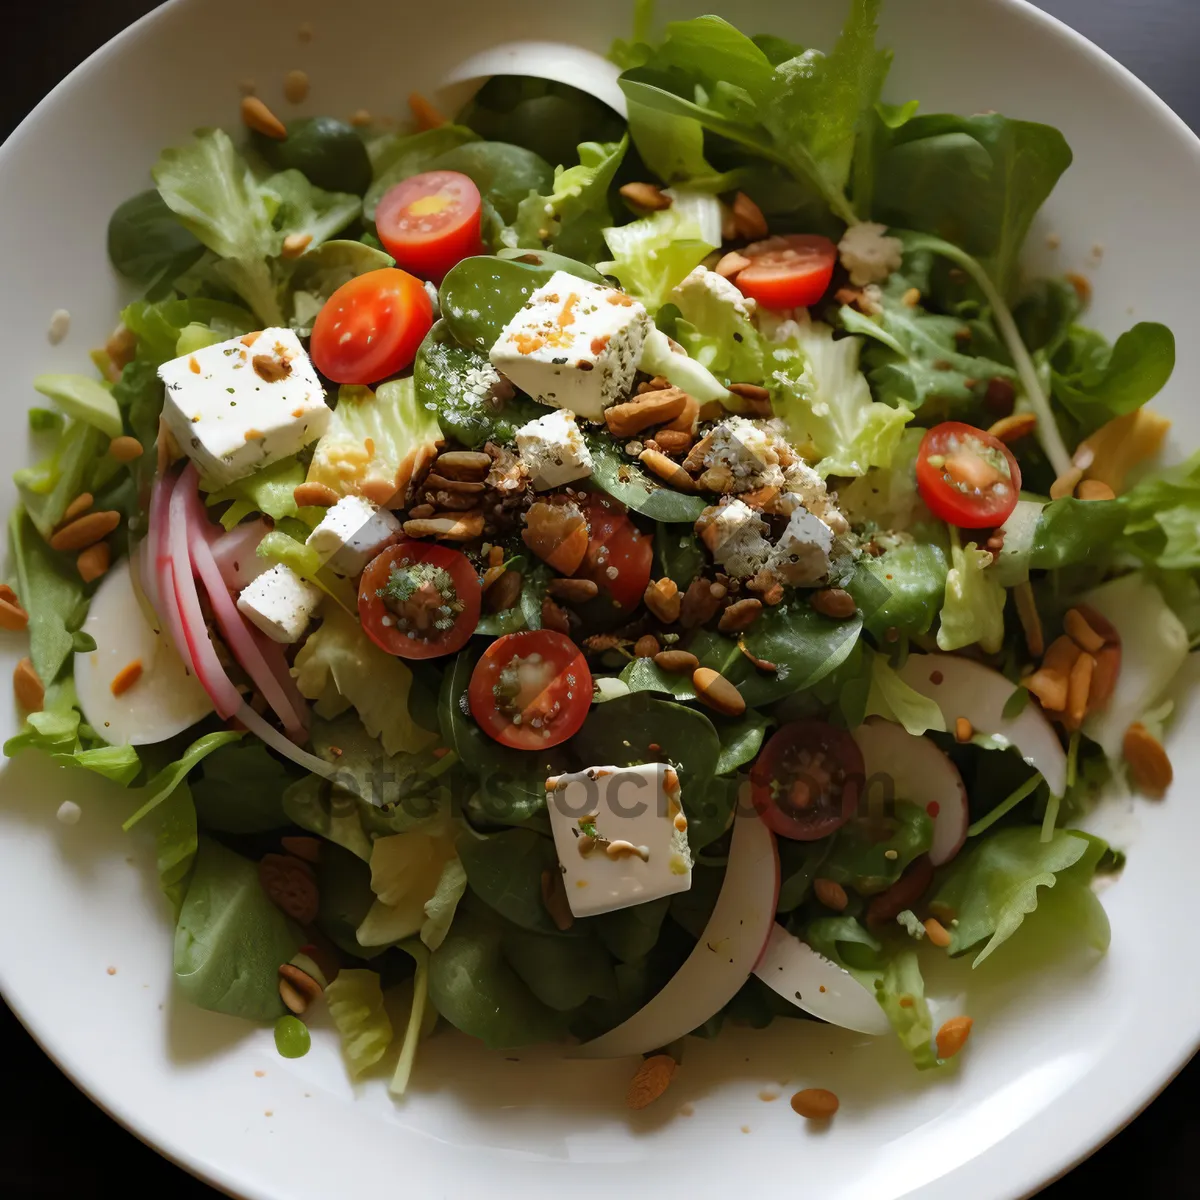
x=788 y=272
x=531 y=690
x=966 y=476
x=429 y=222
x=619 y=554
x=370 y=328
x=806 y=780
x=419 y=600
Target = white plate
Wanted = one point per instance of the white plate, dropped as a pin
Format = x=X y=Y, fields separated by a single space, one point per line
x=1059 y=1058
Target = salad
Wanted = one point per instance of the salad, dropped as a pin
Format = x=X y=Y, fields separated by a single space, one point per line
x=584 y=579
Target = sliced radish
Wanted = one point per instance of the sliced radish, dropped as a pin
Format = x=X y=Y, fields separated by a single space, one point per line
x=236 y=554
x=912 y=768
x=963 y=688
x=820 y=987
x=731 y=944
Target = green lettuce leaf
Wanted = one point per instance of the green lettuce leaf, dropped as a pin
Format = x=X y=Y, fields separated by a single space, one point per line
x=973 y=610
x=1162 y=517
x=716 y=328
x=355 y=1002
x=177 y=842
x=49 y=486
x=914 y=576
x=83 y=399
x=653 y=255
x=406 y=871
x=817 y=388
x=890 y=697
x=269 y=490
x=165 y=781
x=304 y=210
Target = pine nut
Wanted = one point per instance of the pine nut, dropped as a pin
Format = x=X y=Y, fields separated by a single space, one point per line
x=93 y=562
x=1080 y=632
x=29 y=689
x=1095 y=489
x=257 y=116
x=937 y=933
x=77 y=508
x=815 y=1104
x=314 y=495
x=713 y=689
x=831 y=894
x=676 y=661
x=85 y=531
x=952 y=1036
x=646 y=196
x=126 y=448
x=12 y=616
x=646 y=646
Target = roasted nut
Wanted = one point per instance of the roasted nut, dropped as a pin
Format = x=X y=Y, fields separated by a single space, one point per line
x=504 y=593
x=295 y=244
x=1148 y=762
x=904 y=893
x=713 y=689
x=653 y=1078
x=647 y=646
x=1066 y=483
x=673 y=442
x=554 y=899
x=663 y=600
x=307 y=848
x=1080 y=632
x=644 y=410
x=647 y=196
x=686 y=421
x=461 y=527
x=667 y=470
x=731 y=265
x=93 y=562
x=815 y=1104
x=1094 y=489
x=573 y=591
x=750 y=391
x=1014 y=427
x=257 y=116
x=314 y=495
x=29 y=689
x=964 y=731
x=463 y=464
x=85 y=531
x=761 y=664
x=77 y=507
x=1104 y=676
x=831 y=894
x=748 y=218
x=937 y=933
x=676 y=661
x=291 y=886
x=952 y=1036
x=1081 y=284
x=1049 y=686
x=424 y=113
x=557 y=534
x=125 y=448
x=833 y=602
x=297 y=988
x=699 y=604
x=295 y=87
x=740 y=615
x=12 y=616
x=420 y=511
x=554 y=616
x=121 y=348
x=439 y=483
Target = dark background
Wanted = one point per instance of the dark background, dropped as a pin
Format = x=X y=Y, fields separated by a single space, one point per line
x=54 y=1142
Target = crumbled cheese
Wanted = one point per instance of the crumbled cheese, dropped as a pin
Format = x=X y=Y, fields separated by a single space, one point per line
x=621 y=836
x=553 y=450
x=868 y=254
x=351 y=533
x=701 y=281
x=750 y=452
x=280 y=603
x=574 y=345
x=801 y=556
x=735 y=535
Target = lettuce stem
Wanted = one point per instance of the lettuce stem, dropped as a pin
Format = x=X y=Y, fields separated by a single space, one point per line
x=1007 y=805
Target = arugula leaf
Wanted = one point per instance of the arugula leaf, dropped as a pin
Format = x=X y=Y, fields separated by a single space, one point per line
x=177 y=842
x=230 y=938
x=50 y=593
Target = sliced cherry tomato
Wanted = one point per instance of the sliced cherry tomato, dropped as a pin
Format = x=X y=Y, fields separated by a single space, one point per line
x=966 y=476
x=788 y=272
x=419 y=600
x=429 y=222
x=806 y=780
x=619 y=554
x=531 y=690
x=370 y=328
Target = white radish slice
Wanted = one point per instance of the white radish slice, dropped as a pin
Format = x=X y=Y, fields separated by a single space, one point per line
x=560 y=62
x=820 y=987
x=906 y=767
x=236 y=554
x=1154 y=645
x=731 y=944
x=164 y=701
x=962 y=687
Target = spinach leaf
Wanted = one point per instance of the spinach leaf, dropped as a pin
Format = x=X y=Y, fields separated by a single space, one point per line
x=709 y=810
x=505 y=871
x=1070 y=531
x=505 y=174
x=231 y=939
x=164 y=782
x=345 y=898
x=975 y=181
x=870 y=853
x=741 y=738
x=626 y=480
x=803 y=645
x=241 y=788
x=147 y=243
x=901 y=589
x=621 y=732
x=561 y=972
x=1096 y=383
x=329 y=813
x=474 y=988
x=799 y=863
x=1046 y=314
x=631 y=933
x=176 y=842
x=677 y=555
x=645 y=675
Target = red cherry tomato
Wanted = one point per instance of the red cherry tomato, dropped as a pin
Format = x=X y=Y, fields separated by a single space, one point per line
x=429 y=603
x=966 y=476
x=531 y=690
x=788 y=272
x=370 y=328
x=616 y=545
x=429 y=222
x=806 y=780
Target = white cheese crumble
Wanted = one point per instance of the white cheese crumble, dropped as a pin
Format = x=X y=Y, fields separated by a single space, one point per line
x=868 y=254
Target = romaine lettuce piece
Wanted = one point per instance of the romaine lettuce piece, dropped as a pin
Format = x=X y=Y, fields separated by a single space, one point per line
x=355 y=1000
x=83 y=399
x=973 y=610
x=716 y=328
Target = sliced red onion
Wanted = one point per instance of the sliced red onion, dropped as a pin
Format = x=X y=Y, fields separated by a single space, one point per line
x=278 y=742
x=236 y=554
x=277 y=663
x=225 y=697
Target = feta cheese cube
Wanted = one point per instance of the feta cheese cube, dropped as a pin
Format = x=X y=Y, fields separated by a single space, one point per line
x=735 y=535
x=801 y=556
x=553 y=450
x=575 y=345
x=747 y=452
x=280 y=603
x=351 y=533
x=621 y=836
x=244 y=403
